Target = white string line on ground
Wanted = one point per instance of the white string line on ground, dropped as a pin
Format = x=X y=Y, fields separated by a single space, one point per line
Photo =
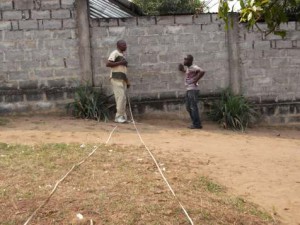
x=158 y=167
x=65 y=176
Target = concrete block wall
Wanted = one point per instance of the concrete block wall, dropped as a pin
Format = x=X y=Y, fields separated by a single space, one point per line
x=271 y=71
x=156 y=45
x=39 y=61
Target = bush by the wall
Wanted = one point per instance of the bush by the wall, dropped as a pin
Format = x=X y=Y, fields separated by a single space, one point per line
x=232 y=111
x=90 y=103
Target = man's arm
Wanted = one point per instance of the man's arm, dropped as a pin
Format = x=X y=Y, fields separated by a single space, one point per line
x=199 y=74
x=181 y=68
x=114 y=64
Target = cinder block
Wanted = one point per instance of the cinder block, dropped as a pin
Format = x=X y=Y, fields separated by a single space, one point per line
x=40 y=14
x=12 y=15
x=14 y=98
x=6 y=5
x=297 y=25
x=27 y=44
x=28 y=84
x=109 y=22
x=24 y=4
x=43 y=73
x=146 y=40
x=34 y=96
x=148 y=58
x=116 y=31
x=50 y=24
x=128 y=22
x=283 y=44
x=279 y=62
x=136 y=31
x=203 y=19
x=165 y=20
x=291 y=25
x=295 y=62
x=155 y=30
x=146 y=21
x=94 y=22
x=67 y=4
x=293 y=53
x=210 y=27
x=18 y=75
x=28 y=25
x=257 y=72
x=41 y=34
x=70 y=43
x=211 y=47
x=177 y=29
x=15 y=25
x=61 y=14
x=262 y=45
x=13 y=35
x=5 y=25
x=69 y=24
x=184 y=19
x=14 y=55
x=184 y=38
x=57 y=83
x=50 y=4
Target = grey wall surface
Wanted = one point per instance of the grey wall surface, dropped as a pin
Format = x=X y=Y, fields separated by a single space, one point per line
x=38 y=53
x=156 y=45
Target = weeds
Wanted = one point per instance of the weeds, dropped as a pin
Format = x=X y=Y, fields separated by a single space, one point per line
x=90 y=104
x=232 y=111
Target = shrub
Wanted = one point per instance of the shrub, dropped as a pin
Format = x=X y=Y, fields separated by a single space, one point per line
x=232 y=111
x=90 y=104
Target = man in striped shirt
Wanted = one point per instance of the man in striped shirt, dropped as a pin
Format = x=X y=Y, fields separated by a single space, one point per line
x=193 y=74
x=119 y=80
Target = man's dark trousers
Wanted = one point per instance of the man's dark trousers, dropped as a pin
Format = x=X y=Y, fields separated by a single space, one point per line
x=191 y=100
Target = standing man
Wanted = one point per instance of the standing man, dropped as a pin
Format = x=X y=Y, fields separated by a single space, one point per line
x=119 y=80
x=193 y=74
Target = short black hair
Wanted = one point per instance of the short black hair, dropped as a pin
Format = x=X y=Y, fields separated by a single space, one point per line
x=121 y=42
x=190 y=57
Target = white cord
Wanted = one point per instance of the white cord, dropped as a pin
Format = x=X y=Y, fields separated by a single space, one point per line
x=158 y=167
x=64 y=177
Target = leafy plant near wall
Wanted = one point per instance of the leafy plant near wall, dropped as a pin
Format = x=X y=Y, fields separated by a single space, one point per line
x=90 y=104
x=232 y=111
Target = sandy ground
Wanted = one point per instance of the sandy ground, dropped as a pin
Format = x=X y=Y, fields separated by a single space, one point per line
x=261 y=165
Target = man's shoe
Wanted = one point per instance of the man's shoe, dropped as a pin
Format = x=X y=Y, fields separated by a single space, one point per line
x=120 y=119
x=195 y=127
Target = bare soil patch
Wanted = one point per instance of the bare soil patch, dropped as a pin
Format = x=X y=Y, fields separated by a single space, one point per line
x=261 y=165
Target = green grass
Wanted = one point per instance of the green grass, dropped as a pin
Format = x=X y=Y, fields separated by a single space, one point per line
x=3 y=121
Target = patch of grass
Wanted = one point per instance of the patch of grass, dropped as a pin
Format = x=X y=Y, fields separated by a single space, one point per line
x=4 y=121
x=243 y=206
x=210 y=185
x=117 y=185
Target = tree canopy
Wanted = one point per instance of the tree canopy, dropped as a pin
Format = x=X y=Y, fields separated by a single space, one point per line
x=169 y=7
x=272 y=12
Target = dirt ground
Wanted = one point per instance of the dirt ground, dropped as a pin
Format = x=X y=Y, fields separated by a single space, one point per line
x=261 y=165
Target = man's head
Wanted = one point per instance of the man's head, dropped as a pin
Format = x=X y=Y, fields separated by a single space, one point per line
x=121 y=45
x=188 y=60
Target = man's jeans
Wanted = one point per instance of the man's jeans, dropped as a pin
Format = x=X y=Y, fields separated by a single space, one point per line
x=191 y=100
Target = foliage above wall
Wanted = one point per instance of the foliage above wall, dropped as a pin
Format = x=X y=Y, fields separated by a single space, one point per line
x=169 y=7
x=272 y=12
